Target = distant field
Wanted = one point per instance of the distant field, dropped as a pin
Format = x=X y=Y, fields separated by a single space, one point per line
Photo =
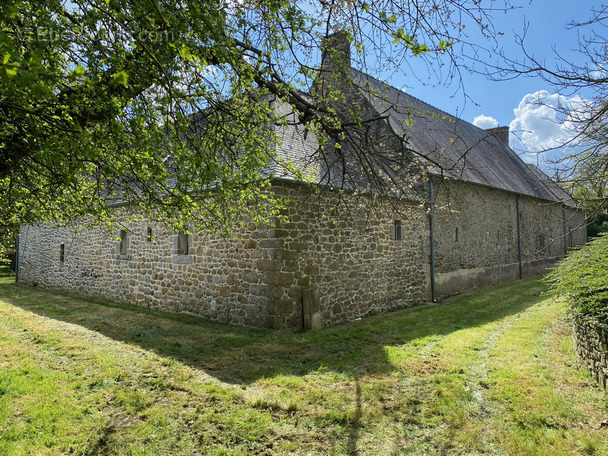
x=492 y=372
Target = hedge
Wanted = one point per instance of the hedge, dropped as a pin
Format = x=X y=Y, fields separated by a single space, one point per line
x=582 y=279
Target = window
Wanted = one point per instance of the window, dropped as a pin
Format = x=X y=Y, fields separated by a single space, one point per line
x=456 y=235
x=183 y=253
x=182 y=244
x=61 y=253
x=398 y=230
x=149 y=235
x=123 y=242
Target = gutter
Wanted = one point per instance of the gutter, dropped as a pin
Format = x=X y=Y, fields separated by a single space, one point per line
x=565 y=223
x=17 y=259
x=432 y=238
x=519 y=252
x=301 y=183
x=500 y=189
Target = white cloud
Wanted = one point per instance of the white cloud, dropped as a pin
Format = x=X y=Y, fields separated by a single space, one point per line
x=485 y=122
x=600 y=71
x=546 y=128
x=543 y=120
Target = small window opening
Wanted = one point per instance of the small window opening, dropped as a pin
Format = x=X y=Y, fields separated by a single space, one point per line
x=456 y=235
x=182 y=244
x=123 y=242
x=398 y=231
x=149 y=235
x=62 y=253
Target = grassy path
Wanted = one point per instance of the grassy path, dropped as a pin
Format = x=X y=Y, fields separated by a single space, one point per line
x=488 y=373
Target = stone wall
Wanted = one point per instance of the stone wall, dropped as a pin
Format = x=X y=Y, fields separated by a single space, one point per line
x=591 y=344
x=338 y=246
x=218 y=279
x=356 y=256
x=542 y=234
x=345 y=248
x=476 y=241
x=576 y=227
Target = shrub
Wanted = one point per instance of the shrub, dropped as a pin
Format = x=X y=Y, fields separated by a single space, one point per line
x=597 y=225
x=582 y=279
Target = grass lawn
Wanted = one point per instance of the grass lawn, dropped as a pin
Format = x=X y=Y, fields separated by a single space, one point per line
x=492 y=372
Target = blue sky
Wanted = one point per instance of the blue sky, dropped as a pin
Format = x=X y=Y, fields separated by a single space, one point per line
x=547 y=33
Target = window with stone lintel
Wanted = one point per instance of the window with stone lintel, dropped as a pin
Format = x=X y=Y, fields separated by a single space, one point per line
x=124 y=239
x=182 y=244
x=182 y=248
x=397 y=231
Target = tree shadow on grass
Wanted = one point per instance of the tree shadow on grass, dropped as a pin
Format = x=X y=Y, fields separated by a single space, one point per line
x=242 y=356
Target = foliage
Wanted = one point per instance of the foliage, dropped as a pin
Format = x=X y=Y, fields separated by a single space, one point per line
x=97 y=110
x=7 y=248
x=589 y=185
x=582 y=279
x=597 y=225
x=169 y=105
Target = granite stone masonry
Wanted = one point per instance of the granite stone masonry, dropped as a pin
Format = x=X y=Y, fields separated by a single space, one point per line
x=341 y=248
x=343 y=256
x=347 y=250
x=476 y=236
x=591 y=343
x=216 y=278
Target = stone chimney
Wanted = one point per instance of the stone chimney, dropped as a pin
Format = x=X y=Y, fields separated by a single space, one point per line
x=335 y=50
x=500 y=133
x=335 y=65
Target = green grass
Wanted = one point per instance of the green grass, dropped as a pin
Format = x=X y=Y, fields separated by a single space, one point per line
x=492 y=372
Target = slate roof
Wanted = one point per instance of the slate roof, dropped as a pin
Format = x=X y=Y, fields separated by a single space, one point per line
x=554 y=187
x=447 y=145
x=453 y=147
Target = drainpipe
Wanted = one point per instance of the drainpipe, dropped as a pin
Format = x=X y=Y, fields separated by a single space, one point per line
x=431 y=222
x=565 y=222
x=17 y=260
x=521 y=267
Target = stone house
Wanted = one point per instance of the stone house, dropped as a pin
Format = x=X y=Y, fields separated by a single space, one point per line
x=476 y=215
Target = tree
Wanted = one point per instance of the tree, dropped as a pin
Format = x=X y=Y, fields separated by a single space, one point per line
x=583 y=166
x=168 y=104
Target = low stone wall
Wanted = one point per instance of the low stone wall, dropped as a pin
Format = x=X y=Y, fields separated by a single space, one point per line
x=591 y=343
